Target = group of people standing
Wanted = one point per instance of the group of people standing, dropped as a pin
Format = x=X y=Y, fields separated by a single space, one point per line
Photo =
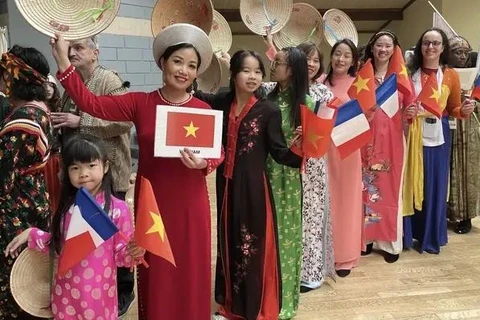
x=280 y=230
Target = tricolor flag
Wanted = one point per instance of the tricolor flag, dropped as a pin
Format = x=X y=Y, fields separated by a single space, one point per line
x=89 y=228
x=351 y=130
x=363 y=88
x=150 y=232
x=315 y=133
x=397 y=66
x=190 y=130
x=387 y=96
x=430 y=96
x=476 y=89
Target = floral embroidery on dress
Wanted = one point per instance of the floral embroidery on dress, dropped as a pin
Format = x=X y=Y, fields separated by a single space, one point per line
x=370 y=176
x=248 y=140
x=247 y=250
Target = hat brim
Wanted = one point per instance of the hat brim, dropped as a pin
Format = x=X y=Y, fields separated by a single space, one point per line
x=184 y=33
x=30 y=283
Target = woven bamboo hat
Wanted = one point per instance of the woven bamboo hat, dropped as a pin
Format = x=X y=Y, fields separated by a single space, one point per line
x=338 y=26
x=221 y=34
x=184 y=33
x=258 y=15
x=305 y=24
x=75 y=19
x=168 y=12
x=210 y=80
x=30 y=283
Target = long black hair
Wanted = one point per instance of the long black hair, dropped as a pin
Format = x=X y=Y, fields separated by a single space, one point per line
x=368 y=53
x=236 y=66
x=309 y=48
x=352 y=71
x=81 y=148
x=299 y=83
x=416 y=61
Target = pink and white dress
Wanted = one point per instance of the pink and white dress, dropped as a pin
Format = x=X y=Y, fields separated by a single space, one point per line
x=89 y=290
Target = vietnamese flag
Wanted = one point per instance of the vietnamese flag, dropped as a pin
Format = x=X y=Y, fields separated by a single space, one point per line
x=315 y=133
x=430 y=96
x=397 y=66
x=150 y=232
x=363 y=88
x=190 y=130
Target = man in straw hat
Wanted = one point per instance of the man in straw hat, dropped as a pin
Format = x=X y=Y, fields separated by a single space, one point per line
x=84 y=55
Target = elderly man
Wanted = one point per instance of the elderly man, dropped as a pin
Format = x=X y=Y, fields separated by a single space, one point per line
x=83 y=54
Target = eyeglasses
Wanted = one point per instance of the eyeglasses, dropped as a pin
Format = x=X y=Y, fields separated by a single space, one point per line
x=275 y=64
x=427 y=43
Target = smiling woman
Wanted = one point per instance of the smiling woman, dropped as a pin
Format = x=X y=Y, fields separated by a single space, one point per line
x=247 y=283
x=182 y=51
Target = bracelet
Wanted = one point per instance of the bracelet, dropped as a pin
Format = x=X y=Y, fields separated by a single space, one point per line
x=68 y=74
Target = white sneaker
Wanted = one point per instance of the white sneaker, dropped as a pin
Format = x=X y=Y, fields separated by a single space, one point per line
x=218 y=317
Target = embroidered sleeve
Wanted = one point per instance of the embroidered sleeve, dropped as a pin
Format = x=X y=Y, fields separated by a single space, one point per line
x=122 y=218
x=268 y=87
x=108 y=107
x=320 y=93
x=39 y=240
x=212 y=164
x=24 y=145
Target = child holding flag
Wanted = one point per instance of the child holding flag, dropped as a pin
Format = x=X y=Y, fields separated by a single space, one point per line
x=87 y=289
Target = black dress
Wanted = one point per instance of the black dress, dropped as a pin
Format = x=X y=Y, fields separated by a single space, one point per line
x=247 y=282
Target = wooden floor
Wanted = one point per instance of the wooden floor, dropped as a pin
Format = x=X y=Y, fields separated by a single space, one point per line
x=417 y=286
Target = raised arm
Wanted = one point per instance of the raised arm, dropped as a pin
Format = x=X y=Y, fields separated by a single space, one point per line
x=116 y=108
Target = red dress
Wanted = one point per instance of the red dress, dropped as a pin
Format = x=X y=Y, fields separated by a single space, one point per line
x=165 y=292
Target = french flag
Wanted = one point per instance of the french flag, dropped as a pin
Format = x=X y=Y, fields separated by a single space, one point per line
x=476 y=89
x=351 y=130
x=89 y=228
x=387 y=96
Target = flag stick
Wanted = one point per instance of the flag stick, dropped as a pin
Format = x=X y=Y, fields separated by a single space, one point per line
x=456 y=34
x=142 y=259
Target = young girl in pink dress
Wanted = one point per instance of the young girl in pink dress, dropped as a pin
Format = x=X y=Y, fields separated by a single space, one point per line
x=88 y=290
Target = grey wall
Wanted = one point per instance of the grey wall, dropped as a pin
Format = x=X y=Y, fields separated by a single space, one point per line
x=131 y=56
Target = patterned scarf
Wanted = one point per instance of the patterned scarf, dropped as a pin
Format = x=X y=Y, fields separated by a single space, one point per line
x=17 y=69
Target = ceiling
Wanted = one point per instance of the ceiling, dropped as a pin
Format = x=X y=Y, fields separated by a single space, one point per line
x=368 y=15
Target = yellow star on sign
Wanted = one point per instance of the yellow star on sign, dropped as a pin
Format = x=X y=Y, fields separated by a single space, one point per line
x=361 y=84
x=157 y=226
x=191 y=130
x=403 y=72
x=436 y=94
x=313 y=138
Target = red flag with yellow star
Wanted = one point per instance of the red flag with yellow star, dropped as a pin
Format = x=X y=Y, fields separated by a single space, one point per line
x=315 y=133
x=190 y=130
x=363 y=88
x=150 y=232
x=397 y=66
x=430 y=96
